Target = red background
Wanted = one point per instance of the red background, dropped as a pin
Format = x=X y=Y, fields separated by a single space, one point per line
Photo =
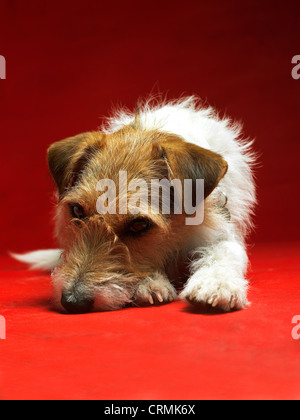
x=68 y=64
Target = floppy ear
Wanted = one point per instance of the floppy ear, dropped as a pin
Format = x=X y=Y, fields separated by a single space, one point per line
x=66 y=158
x=188 y=161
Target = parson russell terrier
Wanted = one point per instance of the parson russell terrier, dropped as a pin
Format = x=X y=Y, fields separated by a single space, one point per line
x=112 y=254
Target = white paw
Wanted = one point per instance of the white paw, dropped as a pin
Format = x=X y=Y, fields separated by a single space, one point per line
x=156 y=289
x=218 y=289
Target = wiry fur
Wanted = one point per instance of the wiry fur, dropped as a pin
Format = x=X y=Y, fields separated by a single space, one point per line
x=203 y=127
x=101 y=263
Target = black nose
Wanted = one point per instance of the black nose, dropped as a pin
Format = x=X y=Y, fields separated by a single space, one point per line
x=76 y=306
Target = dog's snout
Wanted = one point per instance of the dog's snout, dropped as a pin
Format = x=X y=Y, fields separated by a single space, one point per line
x=75 y=305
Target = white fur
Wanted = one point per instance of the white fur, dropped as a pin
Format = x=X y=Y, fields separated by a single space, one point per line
x=157 y=285
x=218 y=271
x=219 y=267
x=46 y=259
x=218 y=276
x=203 y=127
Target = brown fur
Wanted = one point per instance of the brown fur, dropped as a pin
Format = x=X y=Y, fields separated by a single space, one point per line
x=102 y=260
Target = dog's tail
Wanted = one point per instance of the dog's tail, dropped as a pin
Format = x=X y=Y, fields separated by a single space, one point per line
x=45 y=259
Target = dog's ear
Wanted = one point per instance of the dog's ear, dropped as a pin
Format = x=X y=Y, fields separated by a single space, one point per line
x=66 y=158
x=188 y=161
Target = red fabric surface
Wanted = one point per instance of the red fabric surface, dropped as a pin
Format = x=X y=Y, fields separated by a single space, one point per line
x=166 y=352
x=68 y=63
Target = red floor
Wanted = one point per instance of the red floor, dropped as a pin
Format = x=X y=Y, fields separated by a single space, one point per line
x=167 y=352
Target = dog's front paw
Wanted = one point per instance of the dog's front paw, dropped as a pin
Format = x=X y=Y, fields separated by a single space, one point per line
x=220 y=290
x=154 y=289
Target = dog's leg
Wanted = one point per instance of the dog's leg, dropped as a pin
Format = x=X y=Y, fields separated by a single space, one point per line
x=218 y=276
x=154 y=289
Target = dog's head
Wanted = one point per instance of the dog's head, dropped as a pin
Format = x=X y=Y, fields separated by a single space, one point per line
x=107 y=252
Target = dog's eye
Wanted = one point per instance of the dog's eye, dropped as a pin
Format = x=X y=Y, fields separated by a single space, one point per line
x=77 y=211
x=139 y=225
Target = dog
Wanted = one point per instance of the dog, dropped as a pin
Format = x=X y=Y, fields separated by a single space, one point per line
x=109 y=260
